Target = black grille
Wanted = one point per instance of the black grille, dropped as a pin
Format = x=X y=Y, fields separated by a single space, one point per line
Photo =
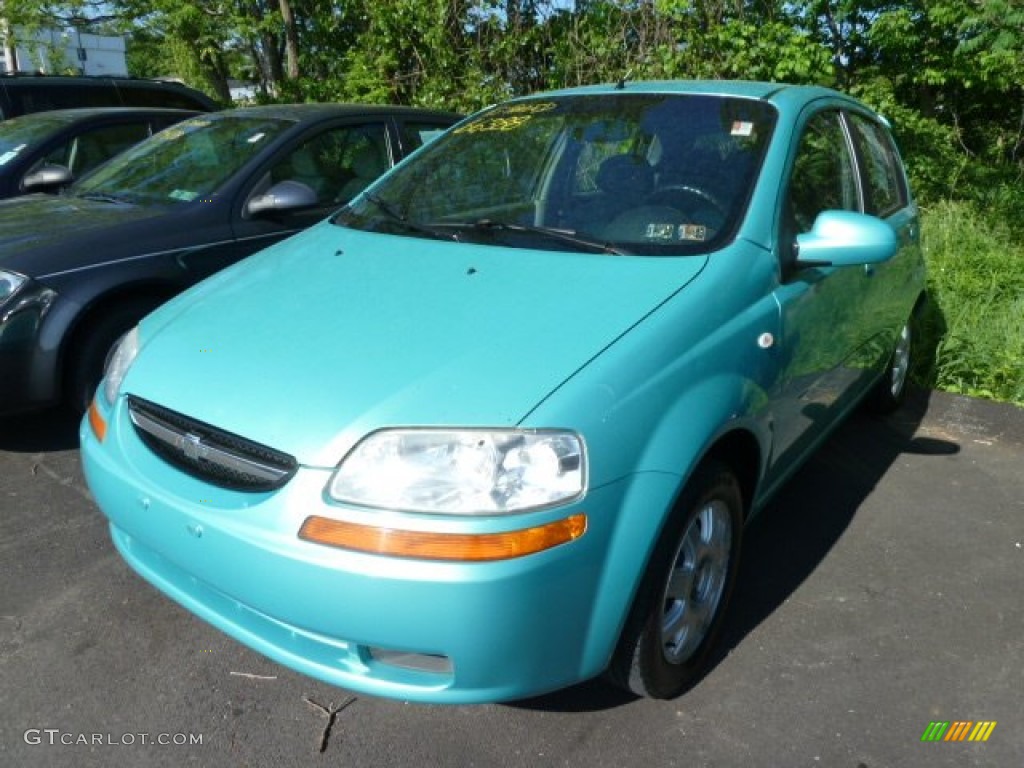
x=209 y=453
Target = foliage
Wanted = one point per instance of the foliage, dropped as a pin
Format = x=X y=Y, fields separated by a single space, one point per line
x=948 y=74
x=976 y=287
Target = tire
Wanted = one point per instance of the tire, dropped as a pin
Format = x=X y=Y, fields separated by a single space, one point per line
x=891 y=390
x=92 y=346
x=677 y=613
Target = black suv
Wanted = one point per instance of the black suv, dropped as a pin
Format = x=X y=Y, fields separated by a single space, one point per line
x=22 y=93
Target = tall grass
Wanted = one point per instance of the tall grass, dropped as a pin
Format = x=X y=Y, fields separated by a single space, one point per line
x=972 y=333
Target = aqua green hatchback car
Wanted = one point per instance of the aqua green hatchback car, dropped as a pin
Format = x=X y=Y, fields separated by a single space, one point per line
x=496 y=426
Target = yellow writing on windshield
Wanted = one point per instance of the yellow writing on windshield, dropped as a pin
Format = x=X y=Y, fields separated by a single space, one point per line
x=494 y=124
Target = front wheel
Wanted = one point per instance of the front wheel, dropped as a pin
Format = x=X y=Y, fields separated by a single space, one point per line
x=678 y=611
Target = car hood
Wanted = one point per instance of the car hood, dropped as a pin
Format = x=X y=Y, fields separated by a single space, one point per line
x=33 y=227
x=311 y=344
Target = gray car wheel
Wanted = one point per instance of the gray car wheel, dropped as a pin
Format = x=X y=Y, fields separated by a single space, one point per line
x=678 y=611
x=891 y=389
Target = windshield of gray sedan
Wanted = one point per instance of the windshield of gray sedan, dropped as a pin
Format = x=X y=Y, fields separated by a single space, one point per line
x=184 y=163
x=646 y=173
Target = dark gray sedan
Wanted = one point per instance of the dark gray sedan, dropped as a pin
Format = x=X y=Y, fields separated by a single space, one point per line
x=78 y=270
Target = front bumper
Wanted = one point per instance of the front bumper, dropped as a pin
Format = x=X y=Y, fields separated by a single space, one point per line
x=417 y=630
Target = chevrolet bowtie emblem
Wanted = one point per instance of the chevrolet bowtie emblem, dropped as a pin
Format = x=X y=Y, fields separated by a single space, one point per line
x=193 y=448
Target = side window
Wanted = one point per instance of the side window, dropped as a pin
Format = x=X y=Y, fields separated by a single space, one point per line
x=84 y=152
x=337 y=164
x=95 y=147
x=823 y=174
x=415 y=134
x=882 y=177
x=59 y=96
x=151 y=96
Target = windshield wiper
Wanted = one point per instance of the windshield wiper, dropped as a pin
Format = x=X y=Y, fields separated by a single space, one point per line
x=392 y=213
x=104 y=198
x=551 y=233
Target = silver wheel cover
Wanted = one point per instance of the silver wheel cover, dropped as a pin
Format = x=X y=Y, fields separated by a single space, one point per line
x=696 y=581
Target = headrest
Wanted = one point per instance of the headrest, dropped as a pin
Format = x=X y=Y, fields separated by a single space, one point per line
x=625 y=175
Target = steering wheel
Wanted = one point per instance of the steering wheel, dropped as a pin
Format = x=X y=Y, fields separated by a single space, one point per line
x=676 y=196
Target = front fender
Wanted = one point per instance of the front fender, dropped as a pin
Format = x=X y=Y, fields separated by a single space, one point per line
x=652 y=407
x=691 y=429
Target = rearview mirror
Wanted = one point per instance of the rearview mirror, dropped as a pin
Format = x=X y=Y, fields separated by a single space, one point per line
x=845 y=238
x=283 y=196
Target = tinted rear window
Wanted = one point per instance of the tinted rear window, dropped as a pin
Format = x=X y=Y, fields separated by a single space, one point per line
x=29 y=97
x=140 y=95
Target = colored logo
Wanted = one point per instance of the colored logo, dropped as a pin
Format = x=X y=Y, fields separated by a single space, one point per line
x=959 y=730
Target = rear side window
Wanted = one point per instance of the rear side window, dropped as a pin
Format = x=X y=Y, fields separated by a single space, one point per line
x=42 y=97
x=139 y=95
x=883 y=179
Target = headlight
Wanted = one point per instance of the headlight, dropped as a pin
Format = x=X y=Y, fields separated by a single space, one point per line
x=120 y=361
x=10 y=282
x=462 y=472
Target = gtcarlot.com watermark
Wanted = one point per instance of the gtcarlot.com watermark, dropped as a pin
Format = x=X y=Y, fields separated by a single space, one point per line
x=55 y=736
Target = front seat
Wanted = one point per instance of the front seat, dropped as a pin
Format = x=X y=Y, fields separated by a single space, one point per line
x=623 y=181
x=368 y=163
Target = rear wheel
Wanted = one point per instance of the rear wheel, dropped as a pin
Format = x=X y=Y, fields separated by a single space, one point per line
x=891 y=389
x=92 y=346
x=678 y=611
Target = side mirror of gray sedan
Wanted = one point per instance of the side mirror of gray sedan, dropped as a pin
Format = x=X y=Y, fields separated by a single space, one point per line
x=47 y=177
x=283 y=196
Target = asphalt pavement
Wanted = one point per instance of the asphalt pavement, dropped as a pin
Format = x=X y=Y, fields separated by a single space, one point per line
x=883 y=591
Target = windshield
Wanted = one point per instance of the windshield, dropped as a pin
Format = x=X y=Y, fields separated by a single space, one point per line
x=185 y=162
x=20 y=133
x=655 y=174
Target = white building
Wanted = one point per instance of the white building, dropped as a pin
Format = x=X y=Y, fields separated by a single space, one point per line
x=64 y=52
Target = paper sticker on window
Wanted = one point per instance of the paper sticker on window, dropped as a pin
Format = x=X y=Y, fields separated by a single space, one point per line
x=742 y=128
x=184 y=195
x=256 y=137
x=697 y=232
x=657 y=231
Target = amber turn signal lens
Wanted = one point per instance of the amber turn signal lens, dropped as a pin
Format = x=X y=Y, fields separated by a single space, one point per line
x=428 y=545
x=99 y=426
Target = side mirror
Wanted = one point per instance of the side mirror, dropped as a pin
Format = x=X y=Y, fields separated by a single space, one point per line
x=283 y=196
x=843 y=239
x=47 y=177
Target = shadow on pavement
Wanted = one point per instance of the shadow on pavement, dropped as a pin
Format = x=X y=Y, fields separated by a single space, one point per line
x=787 y=541
x=52 y=430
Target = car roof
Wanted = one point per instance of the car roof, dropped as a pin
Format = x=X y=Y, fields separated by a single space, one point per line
x=782 y=95
x=84 y=113
x=302 y=112
x=12 y=82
